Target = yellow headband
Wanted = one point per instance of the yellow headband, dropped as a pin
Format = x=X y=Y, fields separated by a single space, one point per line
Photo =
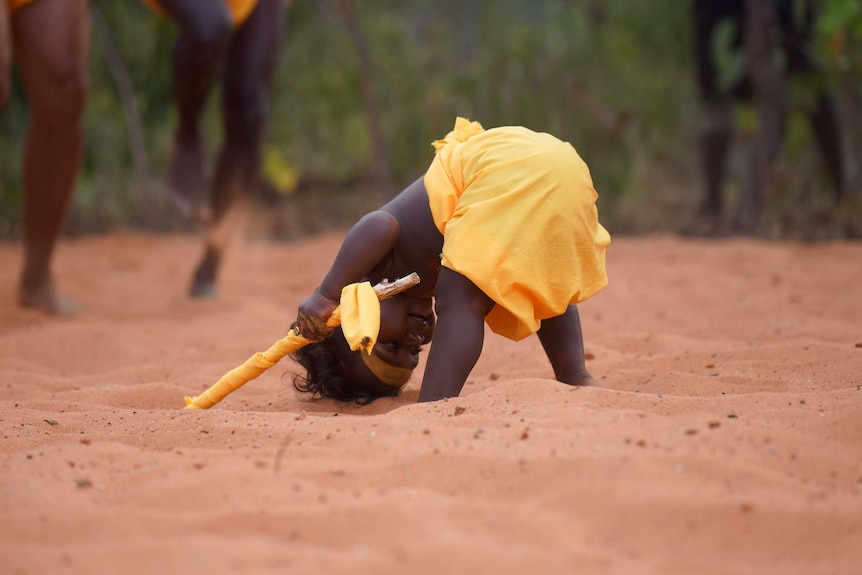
x=387 y=373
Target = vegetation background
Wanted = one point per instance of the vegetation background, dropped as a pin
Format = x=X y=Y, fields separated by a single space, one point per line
x=362 y=88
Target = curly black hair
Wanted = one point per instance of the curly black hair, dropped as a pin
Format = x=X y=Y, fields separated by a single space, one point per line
x=326 y=362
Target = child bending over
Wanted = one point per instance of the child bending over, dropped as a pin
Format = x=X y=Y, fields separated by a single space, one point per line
x=502 y=229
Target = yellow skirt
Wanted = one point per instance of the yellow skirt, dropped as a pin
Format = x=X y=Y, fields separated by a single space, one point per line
x=517 y=211
x=239 y=9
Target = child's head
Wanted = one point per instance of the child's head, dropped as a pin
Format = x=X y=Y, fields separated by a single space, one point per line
x=333 y=370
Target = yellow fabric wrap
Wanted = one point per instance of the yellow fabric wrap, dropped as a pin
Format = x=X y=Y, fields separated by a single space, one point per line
x=16 y=4
x=359 y=315
x=517 y=211
x=239 y=9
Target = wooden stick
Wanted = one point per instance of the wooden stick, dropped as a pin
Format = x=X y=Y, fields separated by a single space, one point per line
x=261 y=361
x=386 y=289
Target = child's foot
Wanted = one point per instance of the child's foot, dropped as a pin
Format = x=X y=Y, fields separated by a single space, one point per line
x=582 y=379
x=588 y=382
x=47 y=299
x=185 y=181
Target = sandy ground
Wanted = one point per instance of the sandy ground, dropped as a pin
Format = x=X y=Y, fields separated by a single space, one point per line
x=727 y=437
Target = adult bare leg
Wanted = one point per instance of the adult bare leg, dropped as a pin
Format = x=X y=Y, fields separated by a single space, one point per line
x=770 y=87
x=824 y=123
x=717 y=126
x=5 y=55
x=52 y=42
x=249 y=67
x=715 y=144
x=205 y=29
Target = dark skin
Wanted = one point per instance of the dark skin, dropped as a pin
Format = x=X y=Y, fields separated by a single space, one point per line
x=401 y=238
x=210 y=50
x=5 y=56
x=406 y=324
x=50 y=41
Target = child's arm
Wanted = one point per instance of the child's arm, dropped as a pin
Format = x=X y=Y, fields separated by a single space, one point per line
x=461 y=309
x=364 y=246
x=563 y=341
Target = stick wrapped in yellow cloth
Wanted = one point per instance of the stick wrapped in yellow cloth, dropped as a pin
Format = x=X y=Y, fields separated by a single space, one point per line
x=358 y=314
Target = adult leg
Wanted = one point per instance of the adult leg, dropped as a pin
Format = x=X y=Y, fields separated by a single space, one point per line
x=824 y=123
x=249 y=67
x=563 y=342
x=205 y=29
x=770 y=87
x=717 y=125
x=5 y=55
x=715 y=140
x=797 y=39
x=52 y=42
x=715 y=130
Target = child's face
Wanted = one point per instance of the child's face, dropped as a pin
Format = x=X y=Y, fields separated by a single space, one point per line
x=406 y=324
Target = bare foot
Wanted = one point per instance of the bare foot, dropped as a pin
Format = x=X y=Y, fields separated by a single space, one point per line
x=589 y=382
x=586 y=382
x=46 y=298
x=202 y=289
x=583 y=379
x=185 y=181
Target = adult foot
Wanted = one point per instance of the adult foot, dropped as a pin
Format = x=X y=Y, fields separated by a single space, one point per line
x=202 y=289
x=204 y=279
x=46 y=298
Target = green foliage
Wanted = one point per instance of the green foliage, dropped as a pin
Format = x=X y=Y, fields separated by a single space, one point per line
x=613 y=77
x=730 y=60
x=841 y=14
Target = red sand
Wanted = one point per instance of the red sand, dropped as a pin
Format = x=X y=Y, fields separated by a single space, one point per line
x=727 y=438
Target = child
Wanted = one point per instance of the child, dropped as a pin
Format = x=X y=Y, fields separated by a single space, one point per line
x=502 y=229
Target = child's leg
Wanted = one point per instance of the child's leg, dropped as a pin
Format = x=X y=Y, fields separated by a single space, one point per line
x=563 y=341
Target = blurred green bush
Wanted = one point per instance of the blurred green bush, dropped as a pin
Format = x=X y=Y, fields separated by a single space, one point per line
x=613 y=77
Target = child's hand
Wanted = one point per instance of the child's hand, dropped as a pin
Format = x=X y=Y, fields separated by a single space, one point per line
x=312 y=316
